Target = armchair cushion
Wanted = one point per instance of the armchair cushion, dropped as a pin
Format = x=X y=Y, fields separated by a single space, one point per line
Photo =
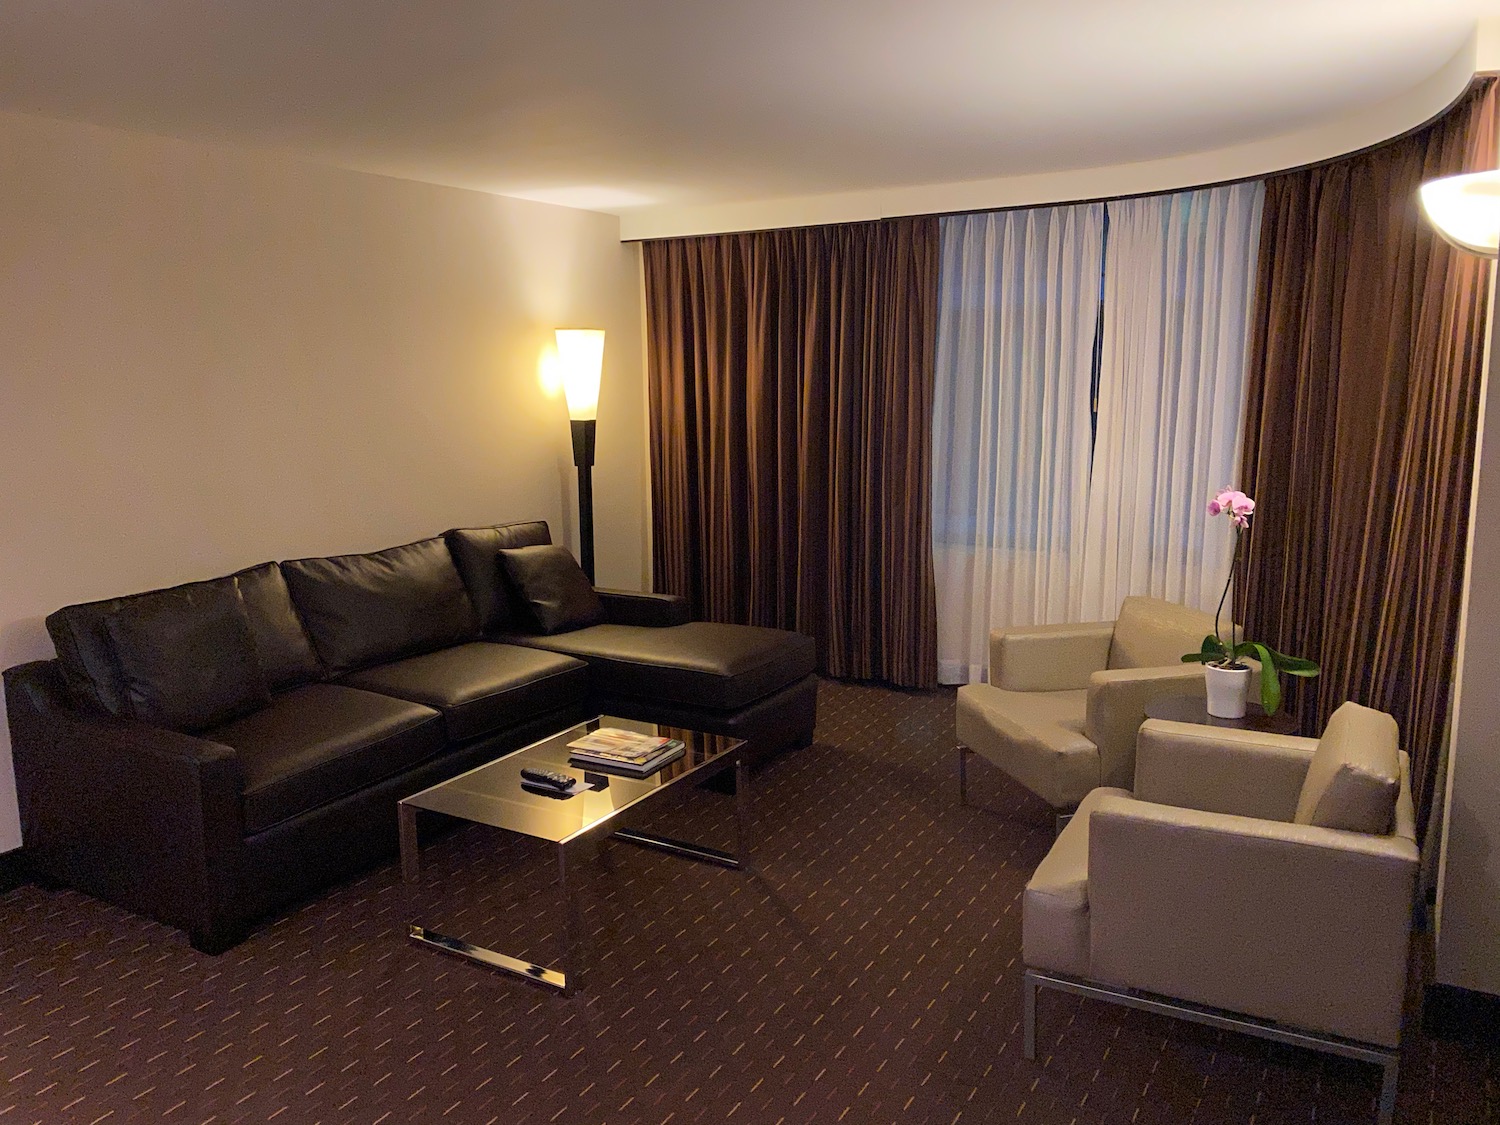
x=1034 y=736
x=1151 y=633
x=186 y=657
x=553 y=587
x=1355 y=774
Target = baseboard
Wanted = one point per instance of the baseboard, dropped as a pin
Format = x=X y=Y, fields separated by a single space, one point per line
x=12 y=870
x=1449 y=1012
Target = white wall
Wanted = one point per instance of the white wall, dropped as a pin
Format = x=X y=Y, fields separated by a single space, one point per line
x=210 y=358
x=1468 y=926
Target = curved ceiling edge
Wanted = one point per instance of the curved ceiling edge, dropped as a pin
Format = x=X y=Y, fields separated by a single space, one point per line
x=1324 y=141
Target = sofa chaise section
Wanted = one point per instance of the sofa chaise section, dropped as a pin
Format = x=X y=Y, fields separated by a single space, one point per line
x=646 y=659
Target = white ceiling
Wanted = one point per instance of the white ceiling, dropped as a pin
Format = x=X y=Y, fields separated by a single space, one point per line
x=610 y=104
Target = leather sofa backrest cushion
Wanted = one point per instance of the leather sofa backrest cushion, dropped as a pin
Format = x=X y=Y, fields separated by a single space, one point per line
x=1151 y=633
x=476 y=554
x=186 y=656
x=1354 y=777
x=365 y=609
x=556 y=592
x=281 y=643
x=87 y=655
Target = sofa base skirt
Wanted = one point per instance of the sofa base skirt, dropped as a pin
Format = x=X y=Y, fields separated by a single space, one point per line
x=783 y=720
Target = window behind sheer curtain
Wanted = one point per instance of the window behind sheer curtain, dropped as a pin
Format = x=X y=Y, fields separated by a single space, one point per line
x=1089 y=396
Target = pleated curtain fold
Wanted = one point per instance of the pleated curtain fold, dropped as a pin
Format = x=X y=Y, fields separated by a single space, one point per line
x=1365 y=371
x=1020 y=298
x=790 y=389
x=1179 y=284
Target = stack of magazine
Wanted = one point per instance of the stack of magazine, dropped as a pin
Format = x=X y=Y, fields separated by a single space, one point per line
x=624 y=751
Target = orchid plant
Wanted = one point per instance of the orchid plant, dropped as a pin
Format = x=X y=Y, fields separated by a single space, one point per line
x=1239 y=508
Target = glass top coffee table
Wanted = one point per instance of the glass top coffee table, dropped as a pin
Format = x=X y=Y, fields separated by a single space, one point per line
x=611 y=805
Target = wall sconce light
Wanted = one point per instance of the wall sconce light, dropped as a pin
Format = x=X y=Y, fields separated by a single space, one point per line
x=580 y=355
x=1466 y=211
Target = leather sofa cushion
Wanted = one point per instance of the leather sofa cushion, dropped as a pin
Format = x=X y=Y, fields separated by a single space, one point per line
x=320 y=742
x=364 y=609
x=186 y=656
x=553 y=587
x=480 y=687
x=702 y=663
x=281 y=643
x=87 y=655
x=476 y=554
x=1354 y=777
x=1151 y=633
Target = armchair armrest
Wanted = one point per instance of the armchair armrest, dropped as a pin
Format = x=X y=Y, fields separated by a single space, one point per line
x=1049 y=657
x=1309 y=926
x=630 y=607
x=1219 y=769
x=1117 y=707
x=138 y=815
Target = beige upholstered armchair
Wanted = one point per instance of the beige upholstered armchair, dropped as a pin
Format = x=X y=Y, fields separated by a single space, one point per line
x=1064 y=702
x=1254 y=882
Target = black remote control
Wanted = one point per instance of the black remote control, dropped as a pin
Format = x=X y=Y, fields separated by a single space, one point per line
x=549 y=779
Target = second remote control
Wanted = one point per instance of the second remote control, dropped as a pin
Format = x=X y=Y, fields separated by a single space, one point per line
x=550 y=778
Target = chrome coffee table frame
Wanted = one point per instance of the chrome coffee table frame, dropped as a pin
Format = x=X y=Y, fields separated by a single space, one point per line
x=583 y=843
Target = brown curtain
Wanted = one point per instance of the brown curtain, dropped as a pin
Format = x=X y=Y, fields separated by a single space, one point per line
x=1364 y=381
x=790 y=381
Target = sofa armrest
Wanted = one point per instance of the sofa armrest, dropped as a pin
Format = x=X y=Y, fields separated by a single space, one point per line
x=138 y=815
x=1220 y=769
x=1117 y=707
x=629 y=607
x=1049 y=657
x=1309 y=926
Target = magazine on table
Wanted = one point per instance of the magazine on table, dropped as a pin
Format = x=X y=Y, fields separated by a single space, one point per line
x=625 y=750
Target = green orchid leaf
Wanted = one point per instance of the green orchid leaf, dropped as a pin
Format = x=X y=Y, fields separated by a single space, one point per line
x=1270 y=682
x=1213 y=649
x=1296 y=665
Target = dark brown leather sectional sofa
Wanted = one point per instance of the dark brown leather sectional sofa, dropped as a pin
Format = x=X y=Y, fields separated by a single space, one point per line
x=161 y=768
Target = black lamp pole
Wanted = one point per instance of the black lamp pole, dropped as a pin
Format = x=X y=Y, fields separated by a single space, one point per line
x=583 y=457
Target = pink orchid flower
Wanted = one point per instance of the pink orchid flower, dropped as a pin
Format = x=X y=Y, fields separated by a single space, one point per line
x=1233 y=503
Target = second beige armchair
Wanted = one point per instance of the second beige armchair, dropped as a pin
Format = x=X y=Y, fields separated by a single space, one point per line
x=1064 y=702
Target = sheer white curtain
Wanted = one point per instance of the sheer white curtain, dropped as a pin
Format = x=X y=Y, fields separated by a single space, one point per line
x=1019 y=301
x=1179 y=282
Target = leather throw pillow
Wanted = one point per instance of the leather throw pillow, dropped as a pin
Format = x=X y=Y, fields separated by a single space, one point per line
x=553 y=586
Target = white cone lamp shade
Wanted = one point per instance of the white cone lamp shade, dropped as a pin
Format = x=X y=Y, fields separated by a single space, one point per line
x=1466 y=211
x=580 y=355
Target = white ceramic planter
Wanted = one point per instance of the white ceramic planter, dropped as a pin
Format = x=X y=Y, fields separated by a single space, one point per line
x=1228 y=689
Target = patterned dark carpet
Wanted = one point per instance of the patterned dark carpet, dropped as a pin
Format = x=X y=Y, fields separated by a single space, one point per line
x=869 y=972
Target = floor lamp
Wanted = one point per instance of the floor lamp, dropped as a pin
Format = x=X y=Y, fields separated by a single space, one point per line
x=580 y=354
